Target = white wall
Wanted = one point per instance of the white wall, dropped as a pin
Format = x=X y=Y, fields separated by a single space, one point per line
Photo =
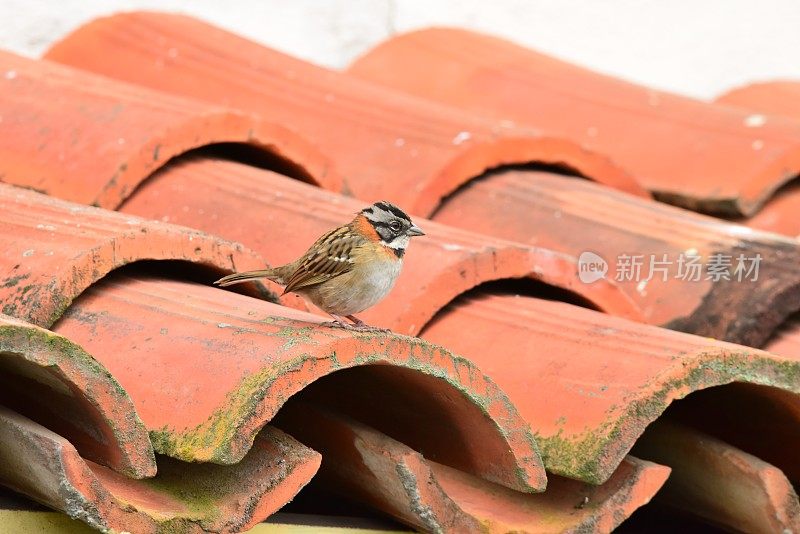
x=695 y=47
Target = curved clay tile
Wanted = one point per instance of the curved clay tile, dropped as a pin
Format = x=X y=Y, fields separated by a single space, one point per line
x=699 y=155
x=786 y=339
x=735 y=415
x=780 y=213
x=600 y=380
x=574 y=216
x=361 y=463
x=181 y=498
x=89 y=139
x=280 y=217
x=54 y=380
x=770 y=98
x=53 y=250
x=387 y=144
x=721 y=483
x=225 y=363
x=781 y=98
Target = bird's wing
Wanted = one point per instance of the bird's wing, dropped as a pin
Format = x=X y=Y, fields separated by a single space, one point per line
x=329 y=257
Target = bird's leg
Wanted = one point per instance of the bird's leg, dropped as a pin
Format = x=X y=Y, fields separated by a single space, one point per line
x=338 y=322
x=358 y=324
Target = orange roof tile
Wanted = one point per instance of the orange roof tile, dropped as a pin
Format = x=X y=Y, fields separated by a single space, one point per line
x=362 y=462
x=786 y=339
x=93 y=140
x=386 y=144
x=53 y=250
x=721 y=483
x=574 y=216
x=589 y=383
x=781 y=98
x=55 y=381
x=452 y=441
x=436 y=269
x=779 y=214
x=212 y=498
x=772 y=98
x=226 y=363
x=692 y=153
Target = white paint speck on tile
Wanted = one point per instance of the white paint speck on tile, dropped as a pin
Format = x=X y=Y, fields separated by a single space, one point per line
x=756 y=120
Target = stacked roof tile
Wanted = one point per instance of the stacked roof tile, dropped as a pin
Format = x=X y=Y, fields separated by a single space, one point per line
x=147 y=154
x=713 y=158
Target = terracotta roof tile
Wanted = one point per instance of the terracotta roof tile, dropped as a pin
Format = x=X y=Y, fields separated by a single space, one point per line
x=53 y=250
x=781 y=99
x=735 y=415
x=113 y=314
x=573 y=216
x=772 y=98
x=89 y=139
x=46 y=467
x=780 y=213
x=226 y=363
x=384 y=143
x=437 y=269
x=688 y=152
x=451 y=442
x=364 y=463
x=721 y=483
x=691 y=316
x=56 y=381
x=786 y=339
x=600 y=380
x=73 y=246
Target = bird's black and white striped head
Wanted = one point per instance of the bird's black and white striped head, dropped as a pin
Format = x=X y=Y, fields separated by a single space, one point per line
x=393 y=226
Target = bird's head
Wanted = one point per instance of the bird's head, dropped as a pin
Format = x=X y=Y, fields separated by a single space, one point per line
x=393 y=226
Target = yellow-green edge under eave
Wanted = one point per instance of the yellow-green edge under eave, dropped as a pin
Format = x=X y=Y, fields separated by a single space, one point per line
x=38 y=522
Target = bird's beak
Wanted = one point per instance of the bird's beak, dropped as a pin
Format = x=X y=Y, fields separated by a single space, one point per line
x=415 y=230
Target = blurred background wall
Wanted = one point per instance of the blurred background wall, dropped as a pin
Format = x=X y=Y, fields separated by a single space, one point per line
x=695 y=47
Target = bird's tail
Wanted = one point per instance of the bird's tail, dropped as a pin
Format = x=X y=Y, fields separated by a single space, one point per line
x=238 y=278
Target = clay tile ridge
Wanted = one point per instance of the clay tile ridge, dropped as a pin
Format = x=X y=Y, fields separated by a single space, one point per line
x=696 y=154
x=437 y=268
x=226 y=363
x=54 y=379
x=93 y=140
x=771 y=98
x=600 y=380
x=362 y=463
x=786 y=339
x=780 y=213
x=721 y=483
x=182 y=497
x=53 y=250
x=780 y=98
x=72 y=247
x=576 y=217
x=386 y=143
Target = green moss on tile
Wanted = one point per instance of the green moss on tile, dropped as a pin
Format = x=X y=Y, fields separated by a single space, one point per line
x=49 y=349
x=213 y=440
x=222 y=438
x=593 y=455
x=201 y=500
x=14 y=280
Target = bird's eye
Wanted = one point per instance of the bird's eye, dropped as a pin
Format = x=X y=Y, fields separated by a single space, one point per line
x=395 y=226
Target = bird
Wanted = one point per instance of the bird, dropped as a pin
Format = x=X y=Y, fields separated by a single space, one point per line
x=348 y=269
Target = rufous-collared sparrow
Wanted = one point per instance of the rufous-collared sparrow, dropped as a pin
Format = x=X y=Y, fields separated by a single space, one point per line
x=350 y=268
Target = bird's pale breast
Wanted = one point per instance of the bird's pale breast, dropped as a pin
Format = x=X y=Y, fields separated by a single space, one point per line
x=353 y=292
